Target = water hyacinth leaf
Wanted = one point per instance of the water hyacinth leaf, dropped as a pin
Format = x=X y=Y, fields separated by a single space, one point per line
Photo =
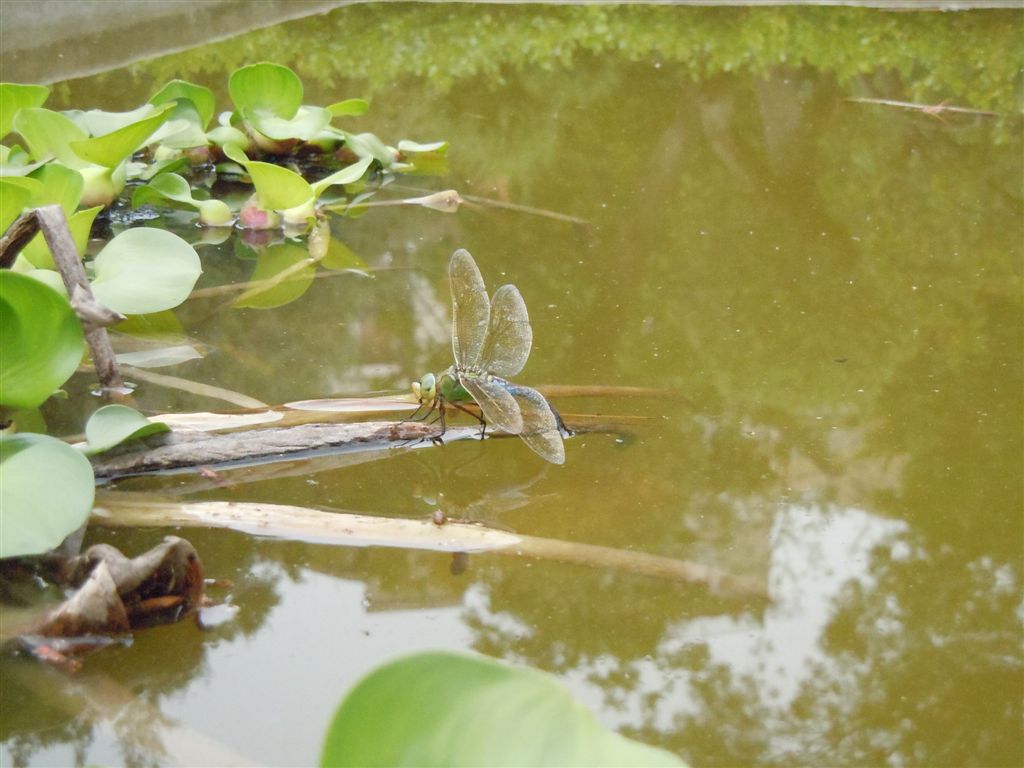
x=201 y=98
x=266 y=86
x=349 y=108
x=277 y=188
x=307 y=123
x=48 y=277
x=223 y=135
x=59 y=185
x=15 y=96
x=38 y=513
x=183 y=129
x=49 y=134
x=43 y=342
x=32 y=186
x=80 y=224
x=347 y=175
x=19 y=169
x=28 y=420
x=138 y=171
x=368 y=145
x=172 y=188
x=98 y=122
x=13 y=198
x=443 y=708
x=145 y=270
x=114 y=424
x=15 y=161
x=283 y=273
x=102 y=185
x=111 y=148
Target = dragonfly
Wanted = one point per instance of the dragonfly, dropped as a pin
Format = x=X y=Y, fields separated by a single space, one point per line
x=491 y=341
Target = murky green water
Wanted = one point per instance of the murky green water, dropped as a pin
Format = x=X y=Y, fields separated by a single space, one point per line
x=834 y=289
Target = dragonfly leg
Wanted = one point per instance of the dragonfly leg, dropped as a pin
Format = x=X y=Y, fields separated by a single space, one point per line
x=483 y=424
x=415 y=414
x=438 y=439
x=436 y=404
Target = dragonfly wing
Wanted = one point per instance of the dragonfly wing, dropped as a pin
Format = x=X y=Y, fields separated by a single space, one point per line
x=471 y=309
x=500 y=409
x=540 y=429
x=509 y=335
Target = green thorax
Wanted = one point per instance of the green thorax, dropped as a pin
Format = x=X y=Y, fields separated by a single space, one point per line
x=449 y=387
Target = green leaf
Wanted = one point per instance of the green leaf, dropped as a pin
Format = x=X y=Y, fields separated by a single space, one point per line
x=145 y=270
x=183 y=129
x=102 y=185
x=139 y=171
x=368 y=145
x=15 y=96
x=349 y=108
x=199 y=96
x=97 y=122
x=37 y=513
x=50 y=278
x=42 y=341
x=266 y=86
x=226 y=134
x=447 y=709
x=347 y=175
x=112 y=425
x=283 y=273
x=59 y=185
x=307 y=123
x=80 y=224
x=172 y=187
x=49 y=134
x=277 y=188
x=13 y=198
x=111 y=148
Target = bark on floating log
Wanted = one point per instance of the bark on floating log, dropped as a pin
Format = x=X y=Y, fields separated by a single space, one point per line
x=179 y=450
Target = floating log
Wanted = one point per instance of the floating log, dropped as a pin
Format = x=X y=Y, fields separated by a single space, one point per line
x=355 y=530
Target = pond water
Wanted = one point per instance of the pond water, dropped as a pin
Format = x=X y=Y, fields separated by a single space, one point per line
x=825 y=294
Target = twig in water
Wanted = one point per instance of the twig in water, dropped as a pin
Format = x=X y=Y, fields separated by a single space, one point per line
x=935 y=110
x=54 y=225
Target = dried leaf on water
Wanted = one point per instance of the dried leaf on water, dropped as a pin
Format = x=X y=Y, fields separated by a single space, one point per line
x=116 y=594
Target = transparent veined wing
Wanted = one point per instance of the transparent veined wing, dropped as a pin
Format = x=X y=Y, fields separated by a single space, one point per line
x=540 y=430
x=470 y=309
x=509 y=335
x=500 y=409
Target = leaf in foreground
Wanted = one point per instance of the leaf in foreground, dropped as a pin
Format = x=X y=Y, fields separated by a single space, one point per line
x=36 y=513
x=42 y=341
x=114 y=424
x=442 y=708
x=145 y=270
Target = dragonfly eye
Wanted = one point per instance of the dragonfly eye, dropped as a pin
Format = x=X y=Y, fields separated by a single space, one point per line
x=426 y=388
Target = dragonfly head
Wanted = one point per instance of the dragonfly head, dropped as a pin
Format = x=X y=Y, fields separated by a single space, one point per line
x=425 y=389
